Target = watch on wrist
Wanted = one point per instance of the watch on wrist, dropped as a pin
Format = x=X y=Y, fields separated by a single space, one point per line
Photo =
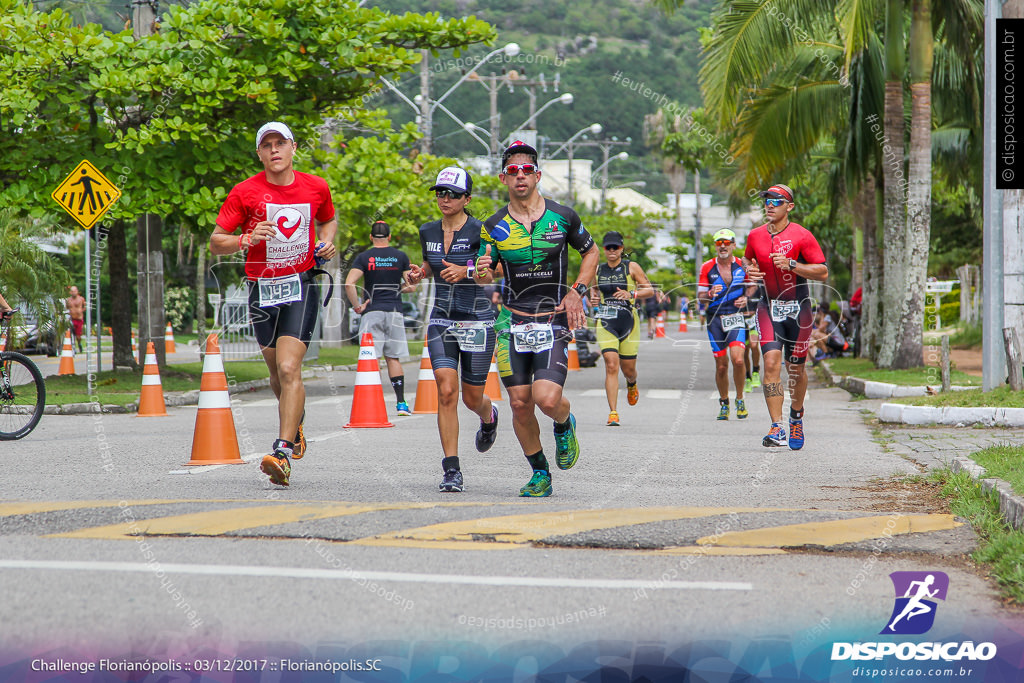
x=470 y=268
x=792 y=264
x=580 y=289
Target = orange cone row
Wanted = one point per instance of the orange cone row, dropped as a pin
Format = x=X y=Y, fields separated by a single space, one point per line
x=67 y=356
x=659 y=331
x=368 y=409
x=682 y=323
x=426 y=385
x=169 y=340
x=214 y=441
x=493 y=387
x=151 y=402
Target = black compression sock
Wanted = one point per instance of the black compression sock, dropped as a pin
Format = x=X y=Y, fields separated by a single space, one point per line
x=562 y=427
x=451 y=463
x=538 y=461
x=796 y=415
x=398 y=384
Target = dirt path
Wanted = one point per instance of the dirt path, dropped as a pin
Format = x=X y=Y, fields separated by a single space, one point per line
x=964 y=360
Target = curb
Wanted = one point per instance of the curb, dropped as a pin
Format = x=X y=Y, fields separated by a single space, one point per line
x=899 y=413
x=1011 y=506
x=184 y=398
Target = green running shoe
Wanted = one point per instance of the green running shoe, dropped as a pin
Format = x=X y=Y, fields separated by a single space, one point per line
x=539 y=485
x=567 y=448
x=755 y=379
x=741 y=408
x=723 y=409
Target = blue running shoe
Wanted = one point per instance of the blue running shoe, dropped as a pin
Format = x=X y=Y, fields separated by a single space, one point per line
x=403 y=408
x=723 y=409
x=776 y=436
x=796 y=434
x=741 y=409
x=567 y=448
x=539 y=485
x=452 y=482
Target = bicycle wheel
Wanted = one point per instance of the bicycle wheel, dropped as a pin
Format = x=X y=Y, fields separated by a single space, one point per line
x=22 y=396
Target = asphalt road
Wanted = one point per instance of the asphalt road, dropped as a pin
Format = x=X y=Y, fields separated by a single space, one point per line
x=675 y=533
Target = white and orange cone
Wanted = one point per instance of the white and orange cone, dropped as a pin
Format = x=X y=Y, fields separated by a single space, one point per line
x=574 y=356
x=493 y=387
x=135 y=346
x=151 y=402
x=67 y=356
x=426 y=385
x=682 y=322
x=659 y=331
x=368 y=408
x=169 y=340
x=214 y=441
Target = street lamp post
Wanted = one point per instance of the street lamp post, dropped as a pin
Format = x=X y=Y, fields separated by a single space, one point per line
x=564 y=98
x=603 y=169
x=595 y=129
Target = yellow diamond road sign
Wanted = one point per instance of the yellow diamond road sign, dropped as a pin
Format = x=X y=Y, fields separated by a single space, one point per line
x=86 y=194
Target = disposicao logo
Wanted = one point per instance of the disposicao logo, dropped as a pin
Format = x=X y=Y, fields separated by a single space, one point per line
x=913 y=613
x=916 y=594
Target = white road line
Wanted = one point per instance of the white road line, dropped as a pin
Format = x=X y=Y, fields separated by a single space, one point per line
x=234 y=571
x=592 y=392
x=670 y=394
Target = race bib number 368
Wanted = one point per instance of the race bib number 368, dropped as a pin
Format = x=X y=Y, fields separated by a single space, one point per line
x=533 y=337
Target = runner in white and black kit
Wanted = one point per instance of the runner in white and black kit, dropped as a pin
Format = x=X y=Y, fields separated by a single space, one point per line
x=286 y=221
x=461 y=323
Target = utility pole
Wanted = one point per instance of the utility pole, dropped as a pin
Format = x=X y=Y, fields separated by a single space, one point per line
x=150 y=283
x=426 y=122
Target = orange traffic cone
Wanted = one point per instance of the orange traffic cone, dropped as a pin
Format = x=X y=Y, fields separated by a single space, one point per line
x=493 y=387
x=682 y=323
x=67 y=356
x=151 y=402
x=659 y=331
x=169 y=340
x=368 y=398
x=426 y=385
x=574 y=356
x=214 y=441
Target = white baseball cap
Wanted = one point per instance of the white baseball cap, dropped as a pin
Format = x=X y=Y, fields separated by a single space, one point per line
x=455 y=179
x=274 y=127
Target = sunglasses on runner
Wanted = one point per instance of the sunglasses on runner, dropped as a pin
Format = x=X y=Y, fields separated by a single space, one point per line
x=722 y=243
x=612 y=247
x=514 y=169
x=451 y=194
x=774 y=202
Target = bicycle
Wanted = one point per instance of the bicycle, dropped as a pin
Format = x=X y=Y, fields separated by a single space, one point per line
x=22 y=390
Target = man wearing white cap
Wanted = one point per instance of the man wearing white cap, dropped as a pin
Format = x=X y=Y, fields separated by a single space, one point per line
x=286 y=221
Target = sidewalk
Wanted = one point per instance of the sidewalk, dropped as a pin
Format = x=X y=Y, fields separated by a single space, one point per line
x=933 y=448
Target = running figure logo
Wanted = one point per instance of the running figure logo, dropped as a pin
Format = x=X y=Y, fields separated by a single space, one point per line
x=914 y=611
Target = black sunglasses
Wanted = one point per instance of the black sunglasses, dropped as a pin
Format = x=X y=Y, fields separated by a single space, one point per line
x=451 y=194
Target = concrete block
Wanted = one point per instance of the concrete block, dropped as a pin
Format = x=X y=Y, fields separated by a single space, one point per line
x=898 y=390
x=891 y=412
x=878 y=389
x=920 y=415
x=1010 y=417
x=967 y=416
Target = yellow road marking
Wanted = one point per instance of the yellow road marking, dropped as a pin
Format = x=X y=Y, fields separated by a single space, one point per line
x=711 y=550
x=832 y=533
x=219 y=522
x=536 y=526
x=32 y=508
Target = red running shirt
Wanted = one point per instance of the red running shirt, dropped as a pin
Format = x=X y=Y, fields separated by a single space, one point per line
x=292 y=208
x=795 y=242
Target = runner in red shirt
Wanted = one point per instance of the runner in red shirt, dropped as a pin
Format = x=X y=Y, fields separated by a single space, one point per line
x=780 y=258
x=287 y=221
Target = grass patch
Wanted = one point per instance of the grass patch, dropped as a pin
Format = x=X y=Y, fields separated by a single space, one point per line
x=122 y=387
x=966 y=337
x=1000 y=397
x=865 y=369
x=1001 y=548
x=1004 y=461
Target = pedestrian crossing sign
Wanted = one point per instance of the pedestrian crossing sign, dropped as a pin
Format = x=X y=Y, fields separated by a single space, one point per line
x=86 y=194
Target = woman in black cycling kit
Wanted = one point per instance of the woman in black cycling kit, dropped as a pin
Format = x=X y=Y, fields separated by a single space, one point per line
x=460 y=328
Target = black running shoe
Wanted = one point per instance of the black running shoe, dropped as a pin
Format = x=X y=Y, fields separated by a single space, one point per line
x=452 y=482
x=488 y=433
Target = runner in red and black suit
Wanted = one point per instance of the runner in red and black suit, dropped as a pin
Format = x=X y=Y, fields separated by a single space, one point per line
x=780 y=258
x=286 y=221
